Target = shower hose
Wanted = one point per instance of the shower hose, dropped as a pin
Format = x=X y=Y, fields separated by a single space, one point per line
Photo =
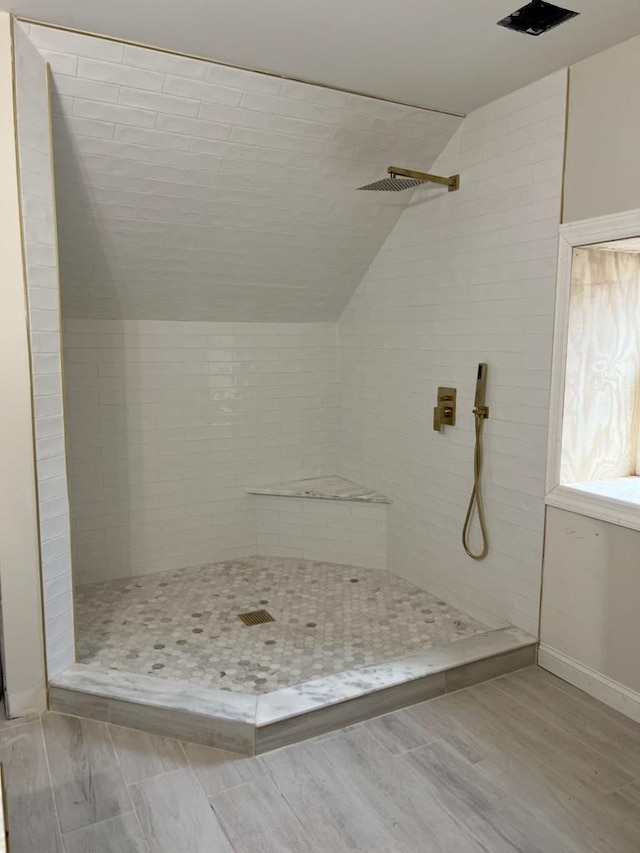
x=475 y=503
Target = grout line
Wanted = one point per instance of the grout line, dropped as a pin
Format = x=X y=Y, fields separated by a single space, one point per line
x=179 y=743
x=223 y=828
x=117 y=758
x=133 y=806
x=158 y=776
x=204 y=793
x=621 y=790
x=457 y=815
x=185 y=755
x=53 y=794
x=293 y=811
x=371 y=732
x=17 y=723
x=436 y=740
x=98 y=822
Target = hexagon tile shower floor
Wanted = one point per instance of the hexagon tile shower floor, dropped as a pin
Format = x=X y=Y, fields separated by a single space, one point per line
x=328 y=618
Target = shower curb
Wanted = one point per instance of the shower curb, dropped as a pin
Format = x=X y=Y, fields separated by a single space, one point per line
x=251 y=724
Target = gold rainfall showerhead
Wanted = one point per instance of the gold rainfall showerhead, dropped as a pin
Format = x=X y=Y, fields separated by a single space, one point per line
x=404 y=179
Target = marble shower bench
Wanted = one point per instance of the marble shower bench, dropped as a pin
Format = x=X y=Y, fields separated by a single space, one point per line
x=329 y=519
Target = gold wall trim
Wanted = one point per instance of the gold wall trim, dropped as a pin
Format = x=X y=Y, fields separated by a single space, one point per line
x=27 y=319
x=239 y=67
x=65 y=431
x=566 y=144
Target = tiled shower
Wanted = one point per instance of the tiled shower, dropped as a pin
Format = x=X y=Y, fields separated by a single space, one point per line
x=234 y=315
x=169 y=422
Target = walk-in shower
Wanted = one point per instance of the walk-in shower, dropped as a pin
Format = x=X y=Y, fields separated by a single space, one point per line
x=237 y=563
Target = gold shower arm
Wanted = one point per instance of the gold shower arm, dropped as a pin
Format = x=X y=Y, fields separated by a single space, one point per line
x=453 y=182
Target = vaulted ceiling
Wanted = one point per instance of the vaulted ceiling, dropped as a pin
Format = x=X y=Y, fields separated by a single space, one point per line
x=192 y=191
x=447 y=54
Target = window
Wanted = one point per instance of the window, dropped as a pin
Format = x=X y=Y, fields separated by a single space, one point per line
x=594 y=449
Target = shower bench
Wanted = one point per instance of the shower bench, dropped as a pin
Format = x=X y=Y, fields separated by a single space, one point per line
x=322 y=518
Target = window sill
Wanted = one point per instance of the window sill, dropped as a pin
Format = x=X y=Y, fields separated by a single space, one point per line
x=616 y=501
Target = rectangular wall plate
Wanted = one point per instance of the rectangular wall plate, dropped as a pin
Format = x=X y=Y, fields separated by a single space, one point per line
x=444 y=413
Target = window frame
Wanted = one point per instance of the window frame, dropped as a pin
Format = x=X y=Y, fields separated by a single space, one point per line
x=617 y=226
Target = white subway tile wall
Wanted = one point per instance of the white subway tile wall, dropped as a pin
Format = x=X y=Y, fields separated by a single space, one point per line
x=169 y=422
x=346 y=532
x=464 y=277
x=204 y=212
x=40 y=250
x=190 y=191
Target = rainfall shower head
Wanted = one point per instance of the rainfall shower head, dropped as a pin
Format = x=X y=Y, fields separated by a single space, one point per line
x=392 y=184
x=405 y=179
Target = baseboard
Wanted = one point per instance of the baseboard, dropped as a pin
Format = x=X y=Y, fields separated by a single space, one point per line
x=594 y=683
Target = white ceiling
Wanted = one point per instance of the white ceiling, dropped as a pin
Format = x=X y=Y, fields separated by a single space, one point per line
x=446 y=54
x=191 y=191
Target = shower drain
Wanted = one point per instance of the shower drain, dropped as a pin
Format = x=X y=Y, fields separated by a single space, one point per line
x=256 y=617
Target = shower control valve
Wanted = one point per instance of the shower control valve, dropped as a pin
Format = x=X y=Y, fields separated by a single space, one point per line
x=444 y=414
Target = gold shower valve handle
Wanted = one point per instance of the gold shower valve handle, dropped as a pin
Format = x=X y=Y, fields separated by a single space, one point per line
x=444 y=414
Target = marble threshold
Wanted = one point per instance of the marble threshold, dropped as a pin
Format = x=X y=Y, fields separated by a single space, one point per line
x=255 y=723
x=330 y=488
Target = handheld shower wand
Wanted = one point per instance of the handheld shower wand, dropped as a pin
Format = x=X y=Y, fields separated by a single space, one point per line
x=480 y=414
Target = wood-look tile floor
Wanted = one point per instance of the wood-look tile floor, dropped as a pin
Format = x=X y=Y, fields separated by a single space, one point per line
x=522 y=763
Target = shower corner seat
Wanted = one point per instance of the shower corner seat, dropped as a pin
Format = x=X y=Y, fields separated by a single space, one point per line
x=329 y=518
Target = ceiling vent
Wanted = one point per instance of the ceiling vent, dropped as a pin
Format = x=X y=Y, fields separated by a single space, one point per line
x=537 y=18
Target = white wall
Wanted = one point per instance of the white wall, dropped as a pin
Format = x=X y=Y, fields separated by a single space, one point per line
x=591 y=605
x=22 y=631
x=192 y=191
x=590 y=592
x=349 y=532
x=464 y=277
x=603 y=134
x=169 y=422
x=41 y=258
